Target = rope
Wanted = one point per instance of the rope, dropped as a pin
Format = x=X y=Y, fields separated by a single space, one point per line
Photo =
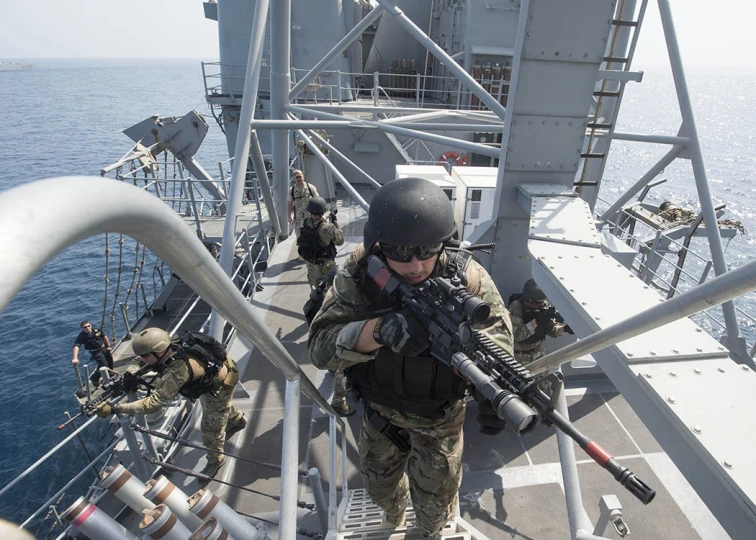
x=187 y=472
x=107 y=280
x=134 y=271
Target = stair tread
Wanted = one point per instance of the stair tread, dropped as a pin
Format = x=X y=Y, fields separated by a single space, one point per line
x=363 y=519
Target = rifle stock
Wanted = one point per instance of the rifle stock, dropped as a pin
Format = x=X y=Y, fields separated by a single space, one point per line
x=448 y=312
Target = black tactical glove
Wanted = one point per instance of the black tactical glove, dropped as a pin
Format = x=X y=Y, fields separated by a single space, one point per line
x=401 y=332
x=490 y=423
x=569 y=330
x=130 y=382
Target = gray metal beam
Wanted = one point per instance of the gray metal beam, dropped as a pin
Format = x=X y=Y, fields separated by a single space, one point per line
x=258 y=162
x=721 y=289
x=343 y=158
x=734 y=341
x=450 y=64
x=640 y=137
x=280 y=83
x=340 y=47
x=450 y=141
x=331 y=167
x=241 y=153
x=352 y=124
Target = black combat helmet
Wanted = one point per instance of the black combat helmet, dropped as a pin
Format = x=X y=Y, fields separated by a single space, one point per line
x=666 y=205
x=317 y=205
x=531 y=291
x=409 y=212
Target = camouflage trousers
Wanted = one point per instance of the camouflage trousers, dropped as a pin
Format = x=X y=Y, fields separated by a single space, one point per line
x=527 y=357
x=339 y=388
x=433 y=466
x=318 y=272
x=298 y=223
x=217 y=412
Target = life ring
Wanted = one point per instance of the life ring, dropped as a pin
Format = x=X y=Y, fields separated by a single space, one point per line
x=449 y=157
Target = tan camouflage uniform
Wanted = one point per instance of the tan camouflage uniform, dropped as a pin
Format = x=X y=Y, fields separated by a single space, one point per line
x=217 y=410
x=434 y=463
x=527 y=352
x=299 y=203
x=327 y=234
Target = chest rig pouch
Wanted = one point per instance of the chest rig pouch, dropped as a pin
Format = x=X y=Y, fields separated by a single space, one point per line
x=411 y=384
x=193 y=389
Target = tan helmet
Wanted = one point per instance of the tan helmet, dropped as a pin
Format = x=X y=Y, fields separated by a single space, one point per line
x=151 y=340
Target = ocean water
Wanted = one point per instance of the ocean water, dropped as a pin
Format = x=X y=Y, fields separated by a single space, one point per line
x=62 y=118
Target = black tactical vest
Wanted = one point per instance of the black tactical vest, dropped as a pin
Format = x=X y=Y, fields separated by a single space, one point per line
x=410 y=384
x=194 y=388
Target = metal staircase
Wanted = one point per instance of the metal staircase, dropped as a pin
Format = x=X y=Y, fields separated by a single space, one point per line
x=362 y=519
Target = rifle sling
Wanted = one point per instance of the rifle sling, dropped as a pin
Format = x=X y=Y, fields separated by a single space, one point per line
x=393 y=433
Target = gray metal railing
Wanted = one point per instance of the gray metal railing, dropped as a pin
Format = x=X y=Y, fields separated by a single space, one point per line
x=120 y=208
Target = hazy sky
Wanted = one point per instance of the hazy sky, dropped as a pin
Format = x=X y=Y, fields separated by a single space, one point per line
x=710 y=33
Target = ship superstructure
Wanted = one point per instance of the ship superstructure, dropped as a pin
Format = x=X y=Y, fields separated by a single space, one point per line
x=511 y=106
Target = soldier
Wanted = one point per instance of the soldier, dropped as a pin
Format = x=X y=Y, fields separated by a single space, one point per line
x=414 y=405
x=299 y=195
x=532 y=324
x=317 y=242
x=97 y=345
x=194 y=371
x=311 y=308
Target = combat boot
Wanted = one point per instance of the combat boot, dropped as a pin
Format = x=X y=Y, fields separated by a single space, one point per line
x=211 y=469
x=394 y=521
x=233 y=427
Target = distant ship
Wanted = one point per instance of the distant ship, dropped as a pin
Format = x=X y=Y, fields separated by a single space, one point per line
x=13 y=66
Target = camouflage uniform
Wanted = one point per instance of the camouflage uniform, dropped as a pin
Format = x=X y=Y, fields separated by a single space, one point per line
x=217 y=410
x=525 y=353
x=327 y=234
x=299 y=203
x=434 y=463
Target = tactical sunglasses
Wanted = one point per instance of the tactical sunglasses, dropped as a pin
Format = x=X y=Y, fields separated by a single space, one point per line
x=404 y=254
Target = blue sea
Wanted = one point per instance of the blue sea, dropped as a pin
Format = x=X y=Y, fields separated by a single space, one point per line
x=63 y=118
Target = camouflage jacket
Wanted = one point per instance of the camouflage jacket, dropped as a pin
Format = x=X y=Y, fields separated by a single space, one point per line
x=522 y=330
x=175 y=375
x=337 y=326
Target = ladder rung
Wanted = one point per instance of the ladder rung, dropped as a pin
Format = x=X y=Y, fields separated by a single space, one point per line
x=598 y=125
x=621 y=22
x=589 y=155
x=616 y=59
x=606 y=93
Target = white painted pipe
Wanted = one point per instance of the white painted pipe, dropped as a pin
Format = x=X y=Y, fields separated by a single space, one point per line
x=127 y=487
x=211 y=530
x=206 y=504
x=89 y=520
x=161 y=524
x=162 y=491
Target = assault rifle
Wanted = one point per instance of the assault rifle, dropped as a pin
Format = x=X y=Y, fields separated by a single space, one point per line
x=544 y=316
x=448 y=312
x=118 y=385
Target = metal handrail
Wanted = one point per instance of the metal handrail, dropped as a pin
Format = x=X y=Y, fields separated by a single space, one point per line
x=712 y=293
x=120 y=208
